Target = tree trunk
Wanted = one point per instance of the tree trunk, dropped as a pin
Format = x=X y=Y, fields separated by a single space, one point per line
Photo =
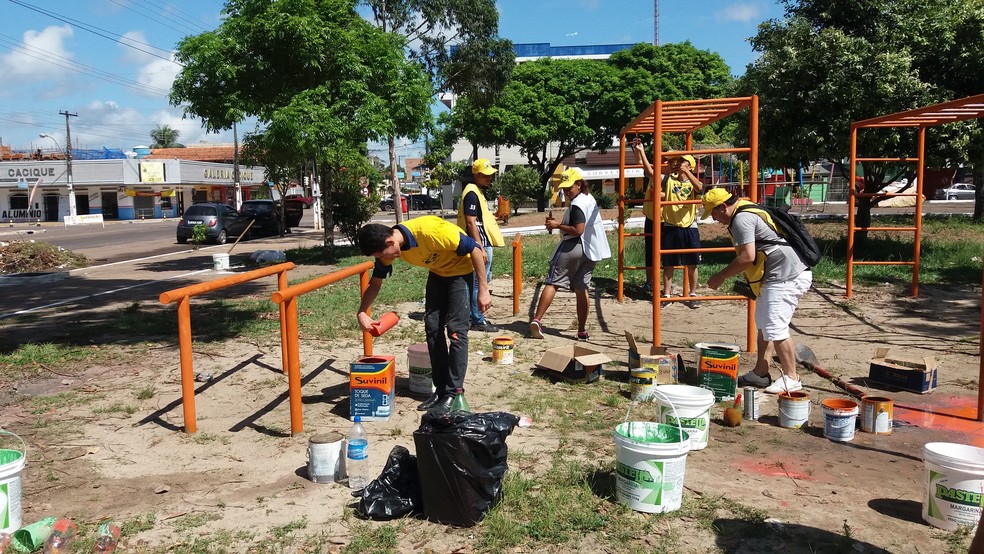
x=329 y=221
x=397 y=197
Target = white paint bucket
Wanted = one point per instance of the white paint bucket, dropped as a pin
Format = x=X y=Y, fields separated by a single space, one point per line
x=325 y=457
x=840 y=418
x=12 y=462
x=220 y=261
x=651 y=459
x=418 y=360
x=954 y=485
x=794 y=409
x=688 y=407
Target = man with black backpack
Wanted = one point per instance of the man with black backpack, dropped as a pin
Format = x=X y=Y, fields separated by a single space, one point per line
x=777 y=277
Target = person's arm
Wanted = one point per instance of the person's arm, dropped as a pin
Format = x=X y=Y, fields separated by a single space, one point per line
x=698 y=185
x=478 y=263
x=368 y=297
x=744 y=259
x=572 y=230
x=640 y=156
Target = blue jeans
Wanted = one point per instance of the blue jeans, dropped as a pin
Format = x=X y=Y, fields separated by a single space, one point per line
x=477 y=317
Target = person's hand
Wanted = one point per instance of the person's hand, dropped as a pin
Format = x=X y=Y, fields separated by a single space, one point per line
x=365 y=322
x=551 y=224
x=715 y=281
x=484 y=299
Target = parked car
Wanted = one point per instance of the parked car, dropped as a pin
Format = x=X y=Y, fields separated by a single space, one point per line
x=221 y=221
x=960 y=191
x=306 y=200
x=414 y=202
x=266 y=214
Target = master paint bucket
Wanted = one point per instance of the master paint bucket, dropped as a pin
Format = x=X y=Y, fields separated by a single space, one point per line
x=717 y=368
x=11 y=464
x=642 y=381
x=794 y=409
x=651 y=459
x=688 y=407
x=220 y=261
x=418 y=360
x=502 y=350
x=840 y=418
x=954 y=485
x=876 y=415
x=326 y=457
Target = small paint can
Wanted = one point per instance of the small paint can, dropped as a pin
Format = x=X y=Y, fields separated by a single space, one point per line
x=749 y=405
x=502 y=350
x=876 y=415
x=642 y=382
x=326 y=457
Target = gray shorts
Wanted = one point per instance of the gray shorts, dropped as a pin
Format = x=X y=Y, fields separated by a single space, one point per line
x=569 y=267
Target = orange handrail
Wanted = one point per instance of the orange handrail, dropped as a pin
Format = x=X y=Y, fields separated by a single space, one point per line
x=287 y=299
x=517 y=245
x=183 y=297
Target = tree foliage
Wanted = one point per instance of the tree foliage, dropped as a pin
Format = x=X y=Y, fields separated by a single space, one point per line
x=163 y=136
x=519 y=184
x=320 y=80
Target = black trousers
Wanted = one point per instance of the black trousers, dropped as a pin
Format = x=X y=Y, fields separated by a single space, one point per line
x=447 y=312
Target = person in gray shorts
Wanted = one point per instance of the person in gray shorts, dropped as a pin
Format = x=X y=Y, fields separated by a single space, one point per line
x=582 y=245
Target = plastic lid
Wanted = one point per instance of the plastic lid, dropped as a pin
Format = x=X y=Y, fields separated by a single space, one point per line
x=358 y=419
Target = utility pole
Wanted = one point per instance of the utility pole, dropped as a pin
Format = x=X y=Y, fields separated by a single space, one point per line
x=72 y=211
x=235 y=167
x=655 y=22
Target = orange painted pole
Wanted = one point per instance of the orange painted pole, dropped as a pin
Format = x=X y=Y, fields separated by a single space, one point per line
x=851 y=204
x=284 y=356
x=916 y=249
x=620 y=287
x=294 y=370
x=367 y=343
x=209 y=286
x=517 y=245
x=980 y=357
x=187 y=369
x=751 y=331
x=657 y=220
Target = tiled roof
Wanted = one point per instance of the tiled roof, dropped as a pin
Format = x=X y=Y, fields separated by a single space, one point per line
x=195 y=153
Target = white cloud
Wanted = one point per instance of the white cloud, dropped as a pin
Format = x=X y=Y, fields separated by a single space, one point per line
x=739 y=12
x=158 y=74
x=139 y=53
x=40 y=55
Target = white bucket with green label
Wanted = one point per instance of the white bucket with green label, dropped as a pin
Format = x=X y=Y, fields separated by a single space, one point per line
x=692 y=409
x=651 y=459
x=419 y=364
x=954 y=485
x=11 y=464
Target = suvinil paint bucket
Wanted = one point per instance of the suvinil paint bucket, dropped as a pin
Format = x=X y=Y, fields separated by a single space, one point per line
x=325 y=458
x=642 y=381
x=840 y=417
x=688 y=407
x=794 y=409
x=717 y=368
x=418 y=360
x=502 y=350
x=876 y=415
x=220 y=261
x=12 y=462
x=651 y=459
x=954 y=485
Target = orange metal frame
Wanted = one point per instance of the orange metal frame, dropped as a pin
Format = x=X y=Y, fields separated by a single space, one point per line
x=517 y=245
x=683 y=117
x=287 y=299
x=183 y=297
x=971 y=107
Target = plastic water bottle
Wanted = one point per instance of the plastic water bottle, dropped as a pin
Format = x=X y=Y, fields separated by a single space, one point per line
x=107 y=538
x=60 y=540
x=357 y=456
x=459 y=404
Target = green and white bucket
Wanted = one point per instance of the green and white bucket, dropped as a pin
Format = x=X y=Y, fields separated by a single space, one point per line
x=954 y=485
x=11 y=464
x=687 y=407
x=651 y=459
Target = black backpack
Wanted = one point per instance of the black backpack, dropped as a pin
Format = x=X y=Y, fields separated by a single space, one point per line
x=790 y=228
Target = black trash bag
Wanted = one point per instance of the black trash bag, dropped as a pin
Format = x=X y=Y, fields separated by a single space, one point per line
x=396 y=492
x=462 y=459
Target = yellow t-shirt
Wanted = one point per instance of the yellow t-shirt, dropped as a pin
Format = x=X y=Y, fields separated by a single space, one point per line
x=435 y=244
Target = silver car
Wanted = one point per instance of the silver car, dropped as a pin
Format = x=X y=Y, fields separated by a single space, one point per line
x=960 y=191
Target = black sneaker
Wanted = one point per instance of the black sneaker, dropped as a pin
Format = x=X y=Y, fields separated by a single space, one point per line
x=485 y=327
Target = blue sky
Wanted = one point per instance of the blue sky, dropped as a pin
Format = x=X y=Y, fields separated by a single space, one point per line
x=109 y=60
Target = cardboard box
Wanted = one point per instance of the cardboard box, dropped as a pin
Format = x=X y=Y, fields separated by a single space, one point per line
x=372 y=387
x=574 y=364
x=656 y=358
x=906 y=373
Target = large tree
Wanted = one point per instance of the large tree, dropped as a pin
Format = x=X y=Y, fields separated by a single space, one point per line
x=829 y=63
x=320 y=80
x=480 y=61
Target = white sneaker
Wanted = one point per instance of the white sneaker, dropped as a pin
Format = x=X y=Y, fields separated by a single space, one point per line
x=754 y=380
x=783 y=384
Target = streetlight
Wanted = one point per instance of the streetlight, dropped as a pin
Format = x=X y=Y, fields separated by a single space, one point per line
x=72 y=212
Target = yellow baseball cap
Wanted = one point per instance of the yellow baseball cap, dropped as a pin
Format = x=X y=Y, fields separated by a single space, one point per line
x=689 y=158
x=483 y=166
x=570 y=176
x=712 y=199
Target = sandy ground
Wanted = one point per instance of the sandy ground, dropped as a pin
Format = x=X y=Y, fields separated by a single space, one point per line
x=245 y=472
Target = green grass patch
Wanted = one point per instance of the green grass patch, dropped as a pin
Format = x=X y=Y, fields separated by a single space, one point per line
x=370 y=539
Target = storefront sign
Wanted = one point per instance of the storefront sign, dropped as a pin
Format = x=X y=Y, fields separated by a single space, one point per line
x=20 y=214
